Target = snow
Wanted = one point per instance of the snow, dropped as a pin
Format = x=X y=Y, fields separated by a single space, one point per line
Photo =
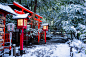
x=62 y=51
x=82 y=36
x=76 y=54
x=45 y=24
x=84 y=31
x=7 y=8
x=10 y=24
x=20 y=16
x=69 y=28
x=57 y=50
x=84 y=12
x=81 y=26
x=85 y=4
x=77 y=43
x=53 y=50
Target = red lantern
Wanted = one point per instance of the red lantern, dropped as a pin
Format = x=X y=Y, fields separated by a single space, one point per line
x=22 y=23
x=45 y=28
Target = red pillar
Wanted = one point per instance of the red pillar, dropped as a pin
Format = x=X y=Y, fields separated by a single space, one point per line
x=38 y=37
x=45 y=36
x=38 y=32
x=4 y=28
x=21 y=41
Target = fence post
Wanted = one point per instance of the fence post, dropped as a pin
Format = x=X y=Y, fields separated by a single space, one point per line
x=14 y=49
x=71 y=52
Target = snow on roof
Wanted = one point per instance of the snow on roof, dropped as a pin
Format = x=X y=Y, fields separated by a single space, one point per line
x=10 y=24
x=20 y=16
x=7 y=8
x=45 y=24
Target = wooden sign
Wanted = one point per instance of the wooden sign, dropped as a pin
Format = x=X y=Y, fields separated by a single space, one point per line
x=2 y=17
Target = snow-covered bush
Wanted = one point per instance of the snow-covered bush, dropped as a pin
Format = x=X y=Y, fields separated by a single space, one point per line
x=82 y=29
x=72 y=16
x=77 y=43
x=68 y=28
x=75 y=19
x=78 y=46
x=34 y=31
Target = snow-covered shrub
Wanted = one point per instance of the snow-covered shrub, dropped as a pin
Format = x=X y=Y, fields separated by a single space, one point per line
x=77 y=43
x=82 y=29
x=34 y=31
x=68 y=28
x=78 y=46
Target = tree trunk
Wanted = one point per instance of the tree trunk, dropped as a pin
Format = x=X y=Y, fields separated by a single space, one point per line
x=34 y=13
x=20 y=1
x=35 y=6
x=31 y=5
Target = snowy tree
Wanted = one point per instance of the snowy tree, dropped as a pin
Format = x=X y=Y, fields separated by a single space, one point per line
x=57 y=12
x=76 y=14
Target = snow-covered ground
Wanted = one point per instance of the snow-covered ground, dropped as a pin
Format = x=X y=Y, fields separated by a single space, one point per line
x=51 y=49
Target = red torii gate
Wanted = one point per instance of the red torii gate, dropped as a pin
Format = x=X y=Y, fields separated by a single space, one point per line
x=22 y=12
x=24 y=9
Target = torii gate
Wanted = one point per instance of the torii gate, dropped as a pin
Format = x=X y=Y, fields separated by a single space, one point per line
x=22 y=12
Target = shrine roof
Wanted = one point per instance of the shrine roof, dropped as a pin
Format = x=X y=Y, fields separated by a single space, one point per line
x=7 y=9
x=19 y=16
